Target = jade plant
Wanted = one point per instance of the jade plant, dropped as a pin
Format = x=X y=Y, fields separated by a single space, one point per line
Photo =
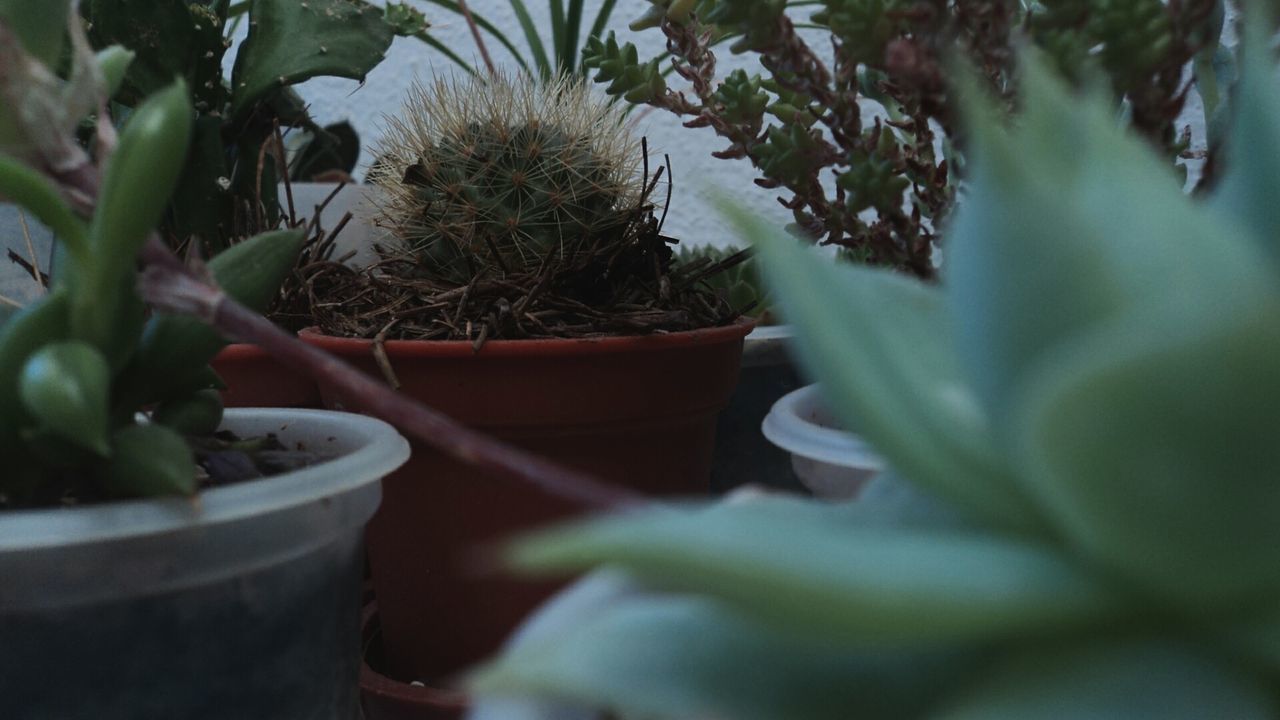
x=881 y=185
x=81 y=366
x=227 y=190
x=1082 y=420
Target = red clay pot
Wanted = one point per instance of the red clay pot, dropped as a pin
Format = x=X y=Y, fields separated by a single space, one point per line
x=637 y=411
x=255 y=379
x=384 y=698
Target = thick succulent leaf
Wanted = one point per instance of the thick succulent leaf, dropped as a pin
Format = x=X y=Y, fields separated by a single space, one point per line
x=291 y=41
x=41 y=26
x=1251 y=186
x=813 y=569
x=682 y=657
x=1069 y=223
x=1119 y=680
x=1154 y=445
x=881 y=348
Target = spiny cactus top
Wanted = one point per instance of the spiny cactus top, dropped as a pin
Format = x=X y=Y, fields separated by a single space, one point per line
x=500 y=174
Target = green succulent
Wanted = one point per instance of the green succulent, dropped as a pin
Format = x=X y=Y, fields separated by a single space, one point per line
x=864 y=26
x=79 y=365
x=620 y=66
x=227 y=188
x=741 y=284
x=1081 y=419
x=497 y=174
x=743 y=99
x=755 y=22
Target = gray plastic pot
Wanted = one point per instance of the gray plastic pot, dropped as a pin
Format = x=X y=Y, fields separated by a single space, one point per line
x=743 y=456
x=243 y=603
x=831 y=461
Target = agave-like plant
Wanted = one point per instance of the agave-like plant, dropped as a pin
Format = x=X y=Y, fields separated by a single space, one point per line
x=1084 y=419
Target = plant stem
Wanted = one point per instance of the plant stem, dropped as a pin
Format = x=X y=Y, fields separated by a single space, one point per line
x=171 y=286
x=475 y=34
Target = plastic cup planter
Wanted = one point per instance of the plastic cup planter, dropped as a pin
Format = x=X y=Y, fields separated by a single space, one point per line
x=832 y=462
x=242 y=603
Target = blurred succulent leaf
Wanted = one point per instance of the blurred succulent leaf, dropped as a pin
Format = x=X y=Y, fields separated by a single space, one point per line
x=114 y=62
x=290 y=42
x=1114 y=681
x=690 y=657
x=40 y=26
x=806 y=568
x=1251 y=184
x=149 y=461
x=883 y=348
x=65 y=386
x=1050 y=224
x=1124 y=433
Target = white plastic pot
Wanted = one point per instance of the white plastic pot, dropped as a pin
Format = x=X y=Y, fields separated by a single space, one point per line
x=243 y=602
x=832 y=462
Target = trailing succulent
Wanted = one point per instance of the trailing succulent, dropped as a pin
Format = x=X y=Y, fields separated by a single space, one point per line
x=879 y=187
x=1082 y=420
x=227 y=191
x=79 y=366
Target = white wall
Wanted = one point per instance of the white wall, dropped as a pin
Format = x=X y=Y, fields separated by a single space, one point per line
x=697 y=175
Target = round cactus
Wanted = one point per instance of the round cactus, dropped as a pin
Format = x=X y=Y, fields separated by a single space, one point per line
x=506 y=175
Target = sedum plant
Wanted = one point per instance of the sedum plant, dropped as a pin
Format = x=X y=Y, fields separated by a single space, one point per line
x=1082 y=417
x=227 y=190
x=863 y=146
x=82 y=367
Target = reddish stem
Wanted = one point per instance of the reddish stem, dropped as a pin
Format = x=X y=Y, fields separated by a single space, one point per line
x=170 y=285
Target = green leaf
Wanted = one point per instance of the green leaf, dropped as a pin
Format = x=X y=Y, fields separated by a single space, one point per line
x=1118 y=680
x=1071 y=222
x=810 y=568
x=150 y=461
x=1251 y=186
x=882 y=349
x=171 y=39
x=65 y=386
x=531 y=36
x=1154 y=445
x=290 y=42
x=680 y=657
x=41 y=26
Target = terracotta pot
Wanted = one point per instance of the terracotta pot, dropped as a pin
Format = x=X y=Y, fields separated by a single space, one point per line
x=384 y=698
x=255 y=379
x=637 y=411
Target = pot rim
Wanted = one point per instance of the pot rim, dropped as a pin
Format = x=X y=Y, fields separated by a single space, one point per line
x=374 y=683
x=552 y=347
x=788 y=426
x=380 y=450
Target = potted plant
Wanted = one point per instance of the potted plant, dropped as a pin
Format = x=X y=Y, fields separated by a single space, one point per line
x=531 y=296
x=864 y=146
x=1082 y=415
x=228 y=190
x=150 y=569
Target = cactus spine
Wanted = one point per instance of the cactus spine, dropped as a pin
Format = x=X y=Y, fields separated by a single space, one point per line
x=502 y=174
